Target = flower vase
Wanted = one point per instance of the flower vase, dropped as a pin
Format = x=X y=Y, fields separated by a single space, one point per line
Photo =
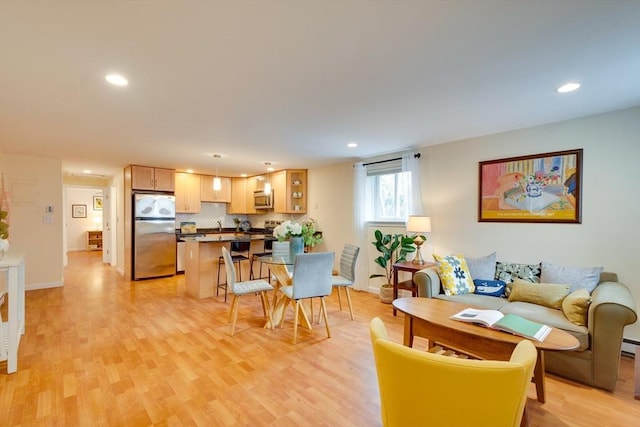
x=296 y=246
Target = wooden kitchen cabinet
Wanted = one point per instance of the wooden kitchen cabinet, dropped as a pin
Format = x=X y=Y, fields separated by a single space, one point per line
x=150 y=178
x=207 y=194
x=290 y=191
x=187 y=192
x=242 y=196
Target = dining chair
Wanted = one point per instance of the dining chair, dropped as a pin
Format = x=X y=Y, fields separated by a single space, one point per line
x=238 y=289
x=493 y=393
x=267 y=250
x=311 y=279
x=347 y=274
x=238 y=250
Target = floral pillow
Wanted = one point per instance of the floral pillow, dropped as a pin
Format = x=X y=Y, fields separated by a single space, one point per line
x=454 y=274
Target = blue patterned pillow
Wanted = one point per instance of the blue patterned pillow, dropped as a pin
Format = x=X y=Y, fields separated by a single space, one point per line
x=492 y=288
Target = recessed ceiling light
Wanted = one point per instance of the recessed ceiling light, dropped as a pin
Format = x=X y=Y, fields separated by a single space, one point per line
x=244 y=175
x=189 y=170
x=86 y=171
x=352 y=145
x=116 y=79
x=569 y=87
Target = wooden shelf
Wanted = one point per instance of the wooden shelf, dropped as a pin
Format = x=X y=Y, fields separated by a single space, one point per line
x=94 y=240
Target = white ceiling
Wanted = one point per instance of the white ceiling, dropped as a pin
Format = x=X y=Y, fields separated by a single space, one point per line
x=291 y=82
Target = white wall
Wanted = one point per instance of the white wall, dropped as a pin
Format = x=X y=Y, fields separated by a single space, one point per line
x=609 y=233
x=76 y=228
x=34 y=183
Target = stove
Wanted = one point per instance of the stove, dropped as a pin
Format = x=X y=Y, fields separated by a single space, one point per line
x=269 y=225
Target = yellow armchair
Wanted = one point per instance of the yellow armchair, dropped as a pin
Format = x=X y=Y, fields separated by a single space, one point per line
x=419 y=388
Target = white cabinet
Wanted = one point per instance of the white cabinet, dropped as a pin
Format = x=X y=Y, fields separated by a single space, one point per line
x=187 y=192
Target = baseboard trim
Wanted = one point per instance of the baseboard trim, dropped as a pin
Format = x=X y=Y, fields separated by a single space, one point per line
x=35 y=286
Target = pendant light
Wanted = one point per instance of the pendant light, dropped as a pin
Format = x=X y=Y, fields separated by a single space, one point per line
x=267 y=184
x=217 y=184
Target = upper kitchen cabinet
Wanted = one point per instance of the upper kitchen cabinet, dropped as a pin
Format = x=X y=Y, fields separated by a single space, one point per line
x=187 y=192
x=155 y=179
x=208 y=194
x=242 y=196
x=290 y=191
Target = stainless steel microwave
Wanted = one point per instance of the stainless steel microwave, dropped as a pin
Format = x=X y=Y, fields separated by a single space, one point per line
x=262 y=200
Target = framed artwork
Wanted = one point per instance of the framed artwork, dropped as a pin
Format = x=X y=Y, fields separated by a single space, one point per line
x=97 y=203
x=536 y=188
x=78 y=211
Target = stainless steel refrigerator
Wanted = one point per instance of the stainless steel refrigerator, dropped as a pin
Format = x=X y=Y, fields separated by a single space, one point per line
x=154 y=235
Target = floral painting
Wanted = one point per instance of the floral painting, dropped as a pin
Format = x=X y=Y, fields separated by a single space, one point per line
x=536 y=188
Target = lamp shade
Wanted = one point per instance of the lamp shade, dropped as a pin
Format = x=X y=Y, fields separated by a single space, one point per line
x=419 y=224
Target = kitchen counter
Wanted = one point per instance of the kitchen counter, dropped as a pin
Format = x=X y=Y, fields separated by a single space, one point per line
x=202 y=253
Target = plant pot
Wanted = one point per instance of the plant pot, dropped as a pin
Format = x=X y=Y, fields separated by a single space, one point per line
x=386 y=293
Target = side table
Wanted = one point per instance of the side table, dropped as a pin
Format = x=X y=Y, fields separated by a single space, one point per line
x=407 y=285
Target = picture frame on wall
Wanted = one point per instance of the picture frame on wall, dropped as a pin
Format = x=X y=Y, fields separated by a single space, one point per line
x=78 y=211
x=97 y=203
x=543 y=187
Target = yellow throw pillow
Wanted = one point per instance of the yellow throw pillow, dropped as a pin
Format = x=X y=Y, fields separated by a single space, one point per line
x=576 y=306
x=546 y=294
x=454 y=274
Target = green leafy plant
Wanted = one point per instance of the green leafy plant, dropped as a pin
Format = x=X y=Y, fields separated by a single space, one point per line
x=4 y=227
x=393 y=248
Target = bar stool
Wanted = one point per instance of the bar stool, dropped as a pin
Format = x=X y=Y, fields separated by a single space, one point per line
x=237 y=249
x=266 y=251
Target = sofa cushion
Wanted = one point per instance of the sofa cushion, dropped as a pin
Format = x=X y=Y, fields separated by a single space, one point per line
x=492 y=288
x=476 y=301
x=482 y=268
x=549 y=317
x=509 y=271
x=454 y=274
x=546 y=294
x=575 y=277
x=576 y=306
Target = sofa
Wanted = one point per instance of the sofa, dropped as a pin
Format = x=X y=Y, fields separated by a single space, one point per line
x=596 y=361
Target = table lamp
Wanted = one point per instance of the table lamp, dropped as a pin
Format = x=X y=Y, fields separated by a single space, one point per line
x=418 y=224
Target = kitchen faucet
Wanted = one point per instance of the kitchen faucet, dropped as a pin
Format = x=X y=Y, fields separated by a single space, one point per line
x=220 y=226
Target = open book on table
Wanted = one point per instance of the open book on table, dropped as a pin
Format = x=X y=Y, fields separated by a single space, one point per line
x=511 y=323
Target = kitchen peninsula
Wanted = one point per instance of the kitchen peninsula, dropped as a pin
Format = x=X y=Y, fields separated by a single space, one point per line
x=201 y=260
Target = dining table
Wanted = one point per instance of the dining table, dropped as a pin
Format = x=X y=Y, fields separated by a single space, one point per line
x=279 y=268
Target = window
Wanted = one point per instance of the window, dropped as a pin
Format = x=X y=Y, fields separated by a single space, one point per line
x=387 y=192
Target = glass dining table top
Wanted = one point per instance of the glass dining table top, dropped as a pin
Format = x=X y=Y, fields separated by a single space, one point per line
x=277 y=260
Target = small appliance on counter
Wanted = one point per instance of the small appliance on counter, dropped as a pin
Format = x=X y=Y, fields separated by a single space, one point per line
x=188 y=227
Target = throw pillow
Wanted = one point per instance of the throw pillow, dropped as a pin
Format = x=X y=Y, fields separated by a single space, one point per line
x=482 y=268
x=492 y=288
x=509 y=271
x=576 y=306
x=454 y=274
x=546 y=294
x=577 y=278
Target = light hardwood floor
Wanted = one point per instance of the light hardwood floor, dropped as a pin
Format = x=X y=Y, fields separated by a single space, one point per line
x=105 y=351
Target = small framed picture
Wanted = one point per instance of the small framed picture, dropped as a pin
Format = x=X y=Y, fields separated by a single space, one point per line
x=78 y=211
x=97 y=203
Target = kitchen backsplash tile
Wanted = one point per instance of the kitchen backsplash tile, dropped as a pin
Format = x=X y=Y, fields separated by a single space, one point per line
x=211 y=213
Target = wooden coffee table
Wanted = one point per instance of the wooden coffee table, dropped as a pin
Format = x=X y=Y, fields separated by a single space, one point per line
x=429 y=318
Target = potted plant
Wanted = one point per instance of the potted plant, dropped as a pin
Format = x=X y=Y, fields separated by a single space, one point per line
x=393 y=248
